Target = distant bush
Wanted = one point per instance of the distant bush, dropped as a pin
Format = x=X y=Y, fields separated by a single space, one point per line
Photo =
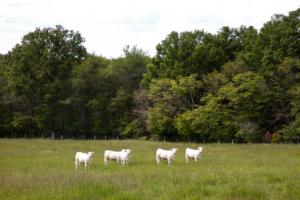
x=276 y=138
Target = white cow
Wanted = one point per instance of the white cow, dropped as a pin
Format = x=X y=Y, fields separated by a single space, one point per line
x=111 y=155
x=168 y=155
x=125 y=156
x=193 y=153
x=85 y=158
x=116 y=155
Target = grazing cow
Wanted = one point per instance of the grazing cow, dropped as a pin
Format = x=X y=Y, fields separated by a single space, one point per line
x=111 y=155
x=117 y=155
x=85 y=158
x=168 y=155
x=193 y=153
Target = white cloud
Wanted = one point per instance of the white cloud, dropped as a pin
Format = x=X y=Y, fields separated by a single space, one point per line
x=110 y=25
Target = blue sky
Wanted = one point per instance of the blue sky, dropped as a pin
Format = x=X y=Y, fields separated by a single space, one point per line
x=108 y=26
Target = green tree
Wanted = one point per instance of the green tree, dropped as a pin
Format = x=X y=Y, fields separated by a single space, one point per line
x=125 y=74
x=5 y=106
x=279 y=38
x=289 y=99
x=166 y=103
x=38 y=76
x=169 y=98
x=91 y=94
x=211 y=122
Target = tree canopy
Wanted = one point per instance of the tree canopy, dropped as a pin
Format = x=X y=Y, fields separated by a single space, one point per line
x=238 y=84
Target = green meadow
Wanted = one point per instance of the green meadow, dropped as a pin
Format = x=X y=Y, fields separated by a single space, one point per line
x=44 y=169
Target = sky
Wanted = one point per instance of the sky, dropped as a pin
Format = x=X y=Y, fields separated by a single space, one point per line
x=110 y=25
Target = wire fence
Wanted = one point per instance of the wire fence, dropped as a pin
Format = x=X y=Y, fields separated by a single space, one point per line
x=291 y=140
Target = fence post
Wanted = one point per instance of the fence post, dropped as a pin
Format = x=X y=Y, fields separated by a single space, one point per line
x=94 y=137
x=164 y=139
x=52 y=135
x=218 y=141
x=105 y=138
x=61 y=137
x=117 y=137
x=232 y=142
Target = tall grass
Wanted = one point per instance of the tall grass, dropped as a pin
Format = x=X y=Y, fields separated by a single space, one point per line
x=44 y=169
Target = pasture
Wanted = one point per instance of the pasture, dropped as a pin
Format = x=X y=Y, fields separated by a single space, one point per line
x=44 y=169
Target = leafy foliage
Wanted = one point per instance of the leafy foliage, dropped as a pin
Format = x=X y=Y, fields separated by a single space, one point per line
x=238 y=84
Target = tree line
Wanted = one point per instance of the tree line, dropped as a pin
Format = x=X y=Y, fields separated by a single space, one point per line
x=239 y=84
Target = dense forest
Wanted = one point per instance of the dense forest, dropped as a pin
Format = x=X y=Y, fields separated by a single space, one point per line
x=240 y=84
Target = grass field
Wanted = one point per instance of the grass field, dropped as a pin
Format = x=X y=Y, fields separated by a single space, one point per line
x=44 y=169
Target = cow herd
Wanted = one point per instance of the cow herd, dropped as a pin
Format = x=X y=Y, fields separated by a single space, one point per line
x=122 y=157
